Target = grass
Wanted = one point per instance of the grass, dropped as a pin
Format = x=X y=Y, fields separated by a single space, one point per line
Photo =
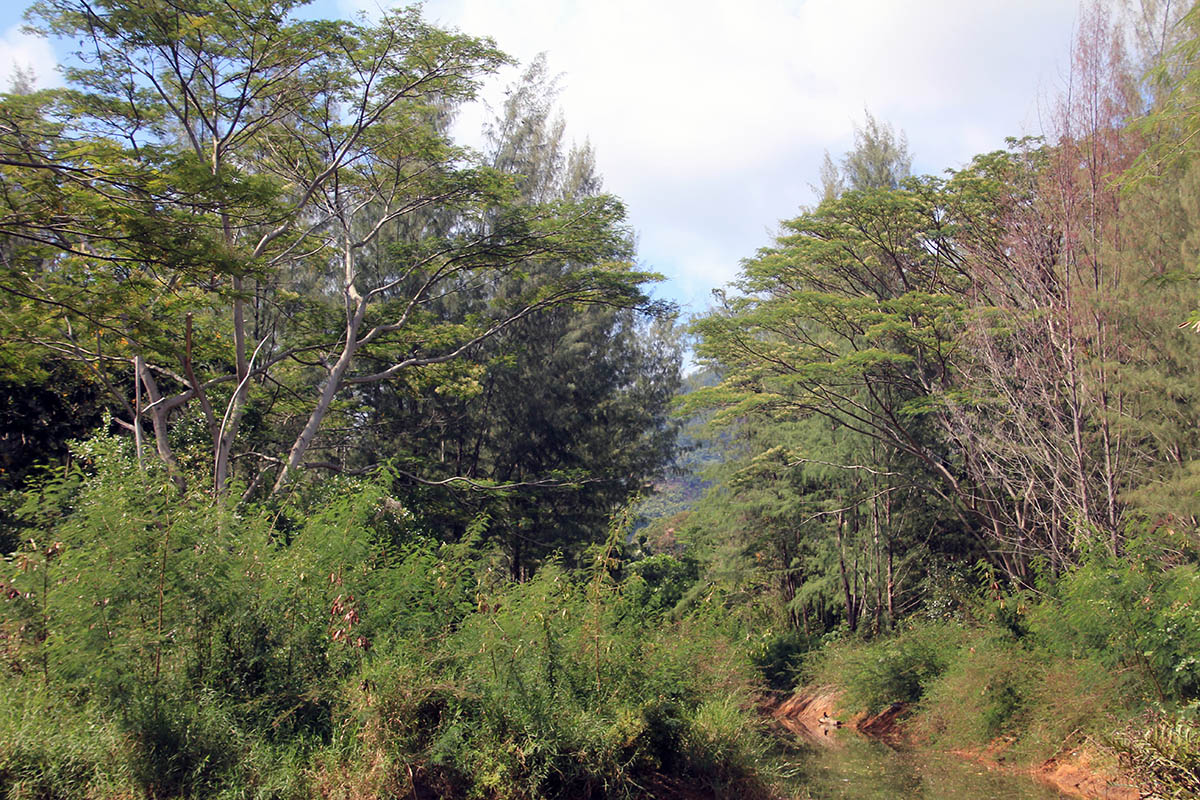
x=974 y=687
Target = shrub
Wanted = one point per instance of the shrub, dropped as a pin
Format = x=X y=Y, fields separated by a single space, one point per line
x=54 y=750
x=1136 y=612
x=778 y=658
x=1162 y=751
x=984 y=693
x=352 y=657
x=896 y=669
x=554 y=688
x=722 y=750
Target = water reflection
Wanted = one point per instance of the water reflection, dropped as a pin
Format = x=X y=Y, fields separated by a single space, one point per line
x=862 y=769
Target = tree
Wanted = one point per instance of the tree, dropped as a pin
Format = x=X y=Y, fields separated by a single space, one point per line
x=879 y=160
x=1046 y=411
x=851 y=316
x=841 y=347
x=206 y=212
x=571 y=405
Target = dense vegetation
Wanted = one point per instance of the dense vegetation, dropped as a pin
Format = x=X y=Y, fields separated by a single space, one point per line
x=167 y=646
x=962 y=410
x=327 y=441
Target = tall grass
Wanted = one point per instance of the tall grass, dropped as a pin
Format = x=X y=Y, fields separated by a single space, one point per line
x=1031 y=674
x=159 y=645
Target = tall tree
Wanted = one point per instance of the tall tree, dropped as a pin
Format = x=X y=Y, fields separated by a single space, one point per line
x=1050 y=340
x=571 y=405
x=879 y=158
x=846 y=330
x=204 y=212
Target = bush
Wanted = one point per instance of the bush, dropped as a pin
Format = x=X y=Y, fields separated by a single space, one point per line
x=1137 y=612
x=896 y=669
x=984 y=693
x=1162 y=751
x=53 y=750
x=779 y=657
x=186 y=648
x=572 y=696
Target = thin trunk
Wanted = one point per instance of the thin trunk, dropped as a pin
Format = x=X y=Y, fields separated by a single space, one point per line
x=237 y=403
x=137 y=411
x=891 y=581
x=846 y=593
x=876 y=554
x=328 y=392
x=788 y=586
x=356 y=310
x=210 y=417
x=891 y=588
x=158 y=416
x=514 y=565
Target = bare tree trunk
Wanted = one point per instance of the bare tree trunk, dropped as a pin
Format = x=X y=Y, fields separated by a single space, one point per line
x=847 y=593
x=356 y=310
x=891 y=578
x=877 y=555
x=158 y=414
x=137 y=411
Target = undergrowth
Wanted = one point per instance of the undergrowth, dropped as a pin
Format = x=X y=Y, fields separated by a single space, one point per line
x=1031 y=673
x=162 y=645
x=158 y=645
x=1162 y=751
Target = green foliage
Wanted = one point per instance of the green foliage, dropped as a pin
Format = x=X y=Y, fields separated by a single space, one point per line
x=919 y=374
x=1135 y=612
x=1035 y=702
x=53 y=749
x=185 y=648
x=879 y=160
x=978 y=686
x=895 y=669
x=780 y=657
x=1038 y=671
x=578 y=689
x=186 y=224
x=1163 y=752
x=41 y=413
x=656 y=584
x=982 y=695
x=565 y=406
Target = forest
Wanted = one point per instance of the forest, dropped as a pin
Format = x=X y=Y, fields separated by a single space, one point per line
x=339 y=459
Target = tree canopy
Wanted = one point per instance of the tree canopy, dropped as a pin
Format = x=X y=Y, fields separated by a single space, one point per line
x=235 y=219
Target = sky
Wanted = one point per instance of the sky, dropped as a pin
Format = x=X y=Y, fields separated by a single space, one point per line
x=710 y=118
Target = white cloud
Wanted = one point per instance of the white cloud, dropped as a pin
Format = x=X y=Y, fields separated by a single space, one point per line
x=710 y=117
x=19 y=50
